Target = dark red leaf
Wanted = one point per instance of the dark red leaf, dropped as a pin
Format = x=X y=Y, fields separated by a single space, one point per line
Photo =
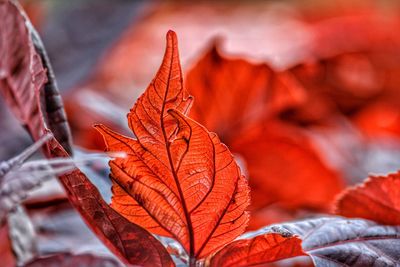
x=26 y=78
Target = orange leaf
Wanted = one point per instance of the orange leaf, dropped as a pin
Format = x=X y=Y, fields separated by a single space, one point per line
x=377 y=199
x=262 y=249
x=177 y=178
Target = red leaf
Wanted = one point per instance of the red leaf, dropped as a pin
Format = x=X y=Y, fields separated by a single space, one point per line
x=338 y=84
x=285 y=169
x=233 y=93
x=380 y=119
x=177 y=179
x=262 y=249
x=377 y=199
x=38 y=105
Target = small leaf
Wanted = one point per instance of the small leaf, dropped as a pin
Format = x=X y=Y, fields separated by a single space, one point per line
x=262 y=249
x=178 y=179
x=377 y=199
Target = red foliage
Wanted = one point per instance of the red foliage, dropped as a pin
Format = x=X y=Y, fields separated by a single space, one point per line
x=178 y=179
x=377 y=199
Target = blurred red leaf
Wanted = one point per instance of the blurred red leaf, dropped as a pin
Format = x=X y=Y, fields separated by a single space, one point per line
x=262 y=249
x=284 y=168
x=380 y=119
x=232 y=94
x=341 y=84
x=377 y=199
x=35 y=100
x=177 y=179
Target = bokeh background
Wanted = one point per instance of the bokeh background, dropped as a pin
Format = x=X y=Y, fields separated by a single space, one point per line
x=308 y=93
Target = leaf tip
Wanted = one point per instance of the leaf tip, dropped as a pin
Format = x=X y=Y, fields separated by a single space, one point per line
x=171 y=35
x=172 y=39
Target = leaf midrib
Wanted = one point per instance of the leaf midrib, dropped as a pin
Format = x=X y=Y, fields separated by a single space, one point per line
x=167 y=144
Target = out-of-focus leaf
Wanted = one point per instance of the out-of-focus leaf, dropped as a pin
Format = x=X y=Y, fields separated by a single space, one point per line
x=232 y=94
x=377 y=199
x=339 y=84
x=379 y=120
x=37 y=104
x=177 y=179
x=72 y=260
x=285 y=169
x=261 y=249
x=335 y=241
x=22 y=235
